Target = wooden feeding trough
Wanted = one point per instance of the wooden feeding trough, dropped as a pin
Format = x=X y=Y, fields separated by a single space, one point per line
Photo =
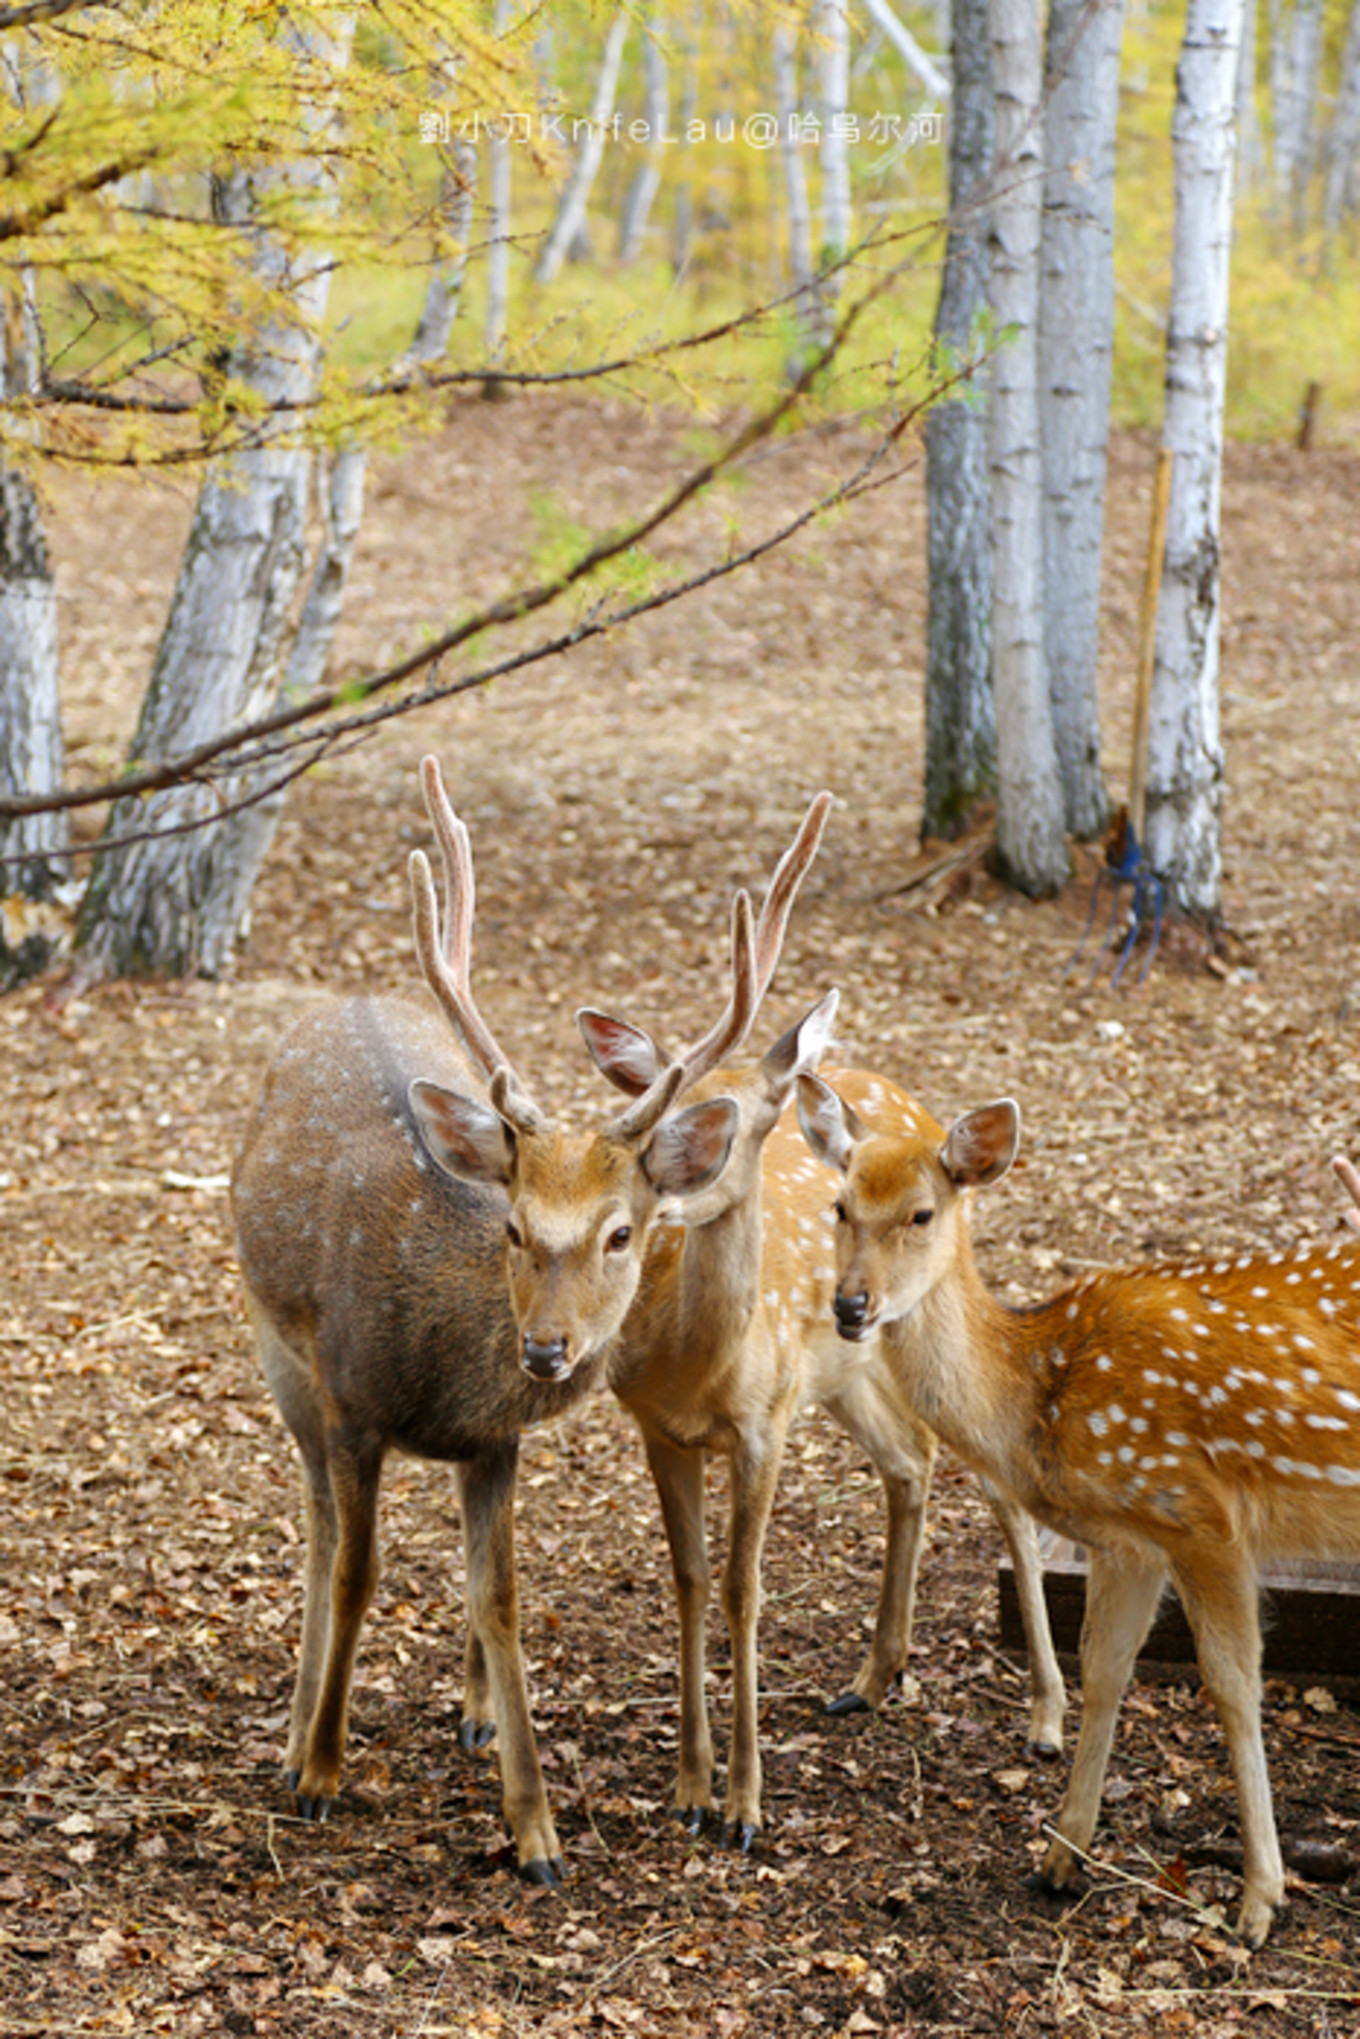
x=1311 y=1618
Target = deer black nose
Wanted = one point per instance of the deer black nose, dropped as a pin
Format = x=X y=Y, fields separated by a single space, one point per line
x=546 y=1361
x=851 y=1312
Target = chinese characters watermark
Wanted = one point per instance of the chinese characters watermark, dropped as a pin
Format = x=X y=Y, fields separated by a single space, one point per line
x=756 y=131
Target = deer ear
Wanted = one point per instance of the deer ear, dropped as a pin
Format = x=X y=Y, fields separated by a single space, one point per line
x=828 y=1124
x=981 y=1146
x=798 y=1052
x=466 y=1139
x=629 y=1058
x=691 y=1149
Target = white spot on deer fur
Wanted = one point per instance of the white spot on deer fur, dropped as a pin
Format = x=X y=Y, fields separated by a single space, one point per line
x=1316 y=1422
x=1104 y=1363
x=1116 y=1413
x=1347 y=1399
x=1274 y=1260
x=1344 y=1476
x=1072 y=1309
x=1299 y=1469
x=1178 y=1438
x=1310 y=1376
x=1303 y=1343
x=1261 y=1292
x=1138 y=1423
x=1097 y=1423
x=1180 y=1315
x=1125 y=1454
x=1291 y=1279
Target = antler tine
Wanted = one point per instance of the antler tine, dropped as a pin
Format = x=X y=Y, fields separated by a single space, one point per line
x=460 y=882
x=652 y=1106
x=445 y=963
x=731 y=1029
x=788 y=876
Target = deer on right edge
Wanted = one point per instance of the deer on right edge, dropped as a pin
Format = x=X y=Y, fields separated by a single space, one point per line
x=1192 y=1420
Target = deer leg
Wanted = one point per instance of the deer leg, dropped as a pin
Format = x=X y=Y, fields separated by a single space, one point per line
x=1221 y=1605
x=487 y=1493
x=1122 y=1592
x=754 y=1477
x=322 y=1539
x=679 y=1477
x=1047 y=1698
x=478 y=1725
x=903 y=1450
x=355 y=1471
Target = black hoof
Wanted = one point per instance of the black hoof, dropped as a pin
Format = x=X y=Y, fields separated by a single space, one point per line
x=739 y=1835
x=1036 y=1884
x=1047 y=1752
x=693 y=1818
x=848 y=1703
x=292 y=1778
x=547 y=1874
x=315 y=1810
x=475 y=1734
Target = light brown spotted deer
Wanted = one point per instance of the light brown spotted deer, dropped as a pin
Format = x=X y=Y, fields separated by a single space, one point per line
x=431 y=1267
x=1194 y=1420
x=730 y=1334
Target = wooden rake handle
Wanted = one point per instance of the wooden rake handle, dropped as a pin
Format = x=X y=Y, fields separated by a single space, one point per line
x=1147 y=641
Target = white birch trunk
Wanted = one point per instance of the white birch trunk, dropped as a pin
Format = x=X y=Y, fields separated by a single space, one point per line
x=795 y=185
x=1185 y=758
x=1031 y=848
x=1343 y=143
x=960 y=719
x=571 y=208
x=175 y=904
x=444 y=292
x=1076 y=342
x=1295 y=60
x=833 y=29
x=33 y=926
x=637 y=207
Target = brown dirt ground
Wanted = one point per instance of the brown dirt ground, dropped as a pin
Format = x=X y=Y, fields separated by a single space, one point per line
x=152 y=1877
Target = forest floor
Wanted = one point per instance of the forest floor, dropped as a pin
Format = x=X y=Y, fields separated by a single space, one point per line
x=153 y=1877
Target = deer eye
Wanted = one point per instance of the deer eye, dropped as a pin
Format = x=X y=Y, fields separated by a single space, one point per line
x=618 y=1239
x=513 y=1233
x=921 y=1217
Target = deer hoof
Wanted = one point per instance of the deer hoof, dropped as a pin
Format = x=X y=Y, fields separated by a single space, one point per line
x=544 y=1871
x=848 y=1703
x=475 y=1734
x=739 y=1835
x=1047 y=1752
x=314 y=1808
x=692 y=1818
x=1039 y=1885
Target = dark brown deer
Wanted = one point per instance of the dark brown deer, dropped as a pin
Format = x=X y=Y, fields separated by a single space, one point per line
x=1189 y=1421
x=431 y=1267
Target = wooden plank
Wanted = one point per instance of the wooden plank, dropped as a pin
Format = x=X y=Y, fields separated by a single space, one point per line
x=1310 y=1618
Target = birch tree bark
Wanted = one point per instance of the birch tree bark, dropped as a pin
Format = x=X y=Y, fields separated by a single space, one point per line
x=1295 y=62
x=960 y=719
x=1185 y=758
x=795 y=187
x=637 y=206
x=571 y=207
x=833 y=29
x=1249 y=161
x=1076 y=344
x=1343 y=143
x=32 y=925
x=1030 y=846
x=174 y=904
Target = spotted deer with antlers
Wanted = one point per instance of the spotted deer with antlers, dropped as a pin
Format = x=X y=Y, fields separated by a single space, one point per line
x=730 y=1334
x=1191 y=1421
x=431 y=1267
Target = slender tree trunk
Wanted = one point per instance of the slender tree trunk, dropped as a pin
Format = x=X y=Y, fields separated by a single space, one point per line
x=960 y=717
x=174 y=904
x=1076 y=343
x=1295 y=61
x=571 y=209
x=637 y=207
x=444 y=292
x=32 y=924
x=682 y=219
x=1185 y=758
x=1343 y=144
x=1030 y=846
x=795 y=190
x=833 y=27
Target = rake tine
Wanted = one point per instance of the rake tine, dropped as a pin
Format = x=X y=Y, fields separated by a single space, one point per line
x=1133 y=931
x=1156 y=884
x=1108 y=942
x=1071 y=962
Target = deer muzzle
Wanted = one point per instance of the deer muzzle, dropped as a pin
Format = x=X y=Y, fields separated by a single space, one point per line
x=852 y=1315
x=546 y=1359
